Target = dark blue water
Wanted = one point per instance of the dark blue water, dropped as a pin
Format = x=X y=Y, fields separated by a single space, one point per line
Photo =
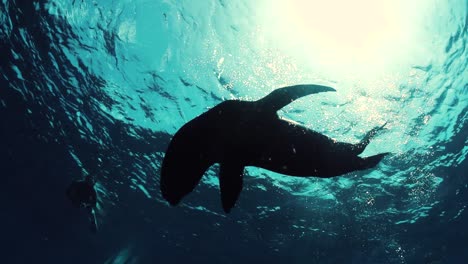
x=100 y=87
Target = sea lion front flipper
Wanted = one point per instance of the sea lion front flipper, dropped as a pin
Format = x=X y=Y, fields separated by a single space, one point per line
x=281 y=97
x=230 y=184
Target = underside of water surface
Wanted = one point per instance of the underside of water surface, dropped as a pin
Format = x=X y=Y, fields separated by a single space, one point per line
x=100 y=87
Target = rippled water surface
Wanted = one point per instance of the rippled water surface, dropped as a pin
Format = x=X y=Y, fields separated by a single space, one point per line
x=100 y=87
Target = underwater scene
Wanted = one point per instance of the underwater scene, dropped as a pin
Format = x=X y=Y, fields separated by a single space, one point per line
x=99 y=89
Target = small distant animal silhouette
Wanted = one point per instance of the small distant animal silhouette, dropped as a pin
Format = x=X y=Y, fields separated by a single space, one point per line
x=83 y=195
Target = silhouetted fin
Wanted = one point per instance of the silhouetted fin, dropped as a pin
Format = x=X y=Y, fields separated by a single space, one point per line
x=281 y=97
x=372 y=161
x=359 y=148
x=230 y=184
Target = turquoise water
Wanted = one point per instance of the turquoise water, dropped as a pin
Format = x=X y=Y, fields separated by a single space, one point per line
x=109 y=82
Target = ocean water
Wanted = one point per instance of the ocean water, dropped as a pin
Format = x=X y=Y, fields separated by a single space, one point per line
x=100 y=87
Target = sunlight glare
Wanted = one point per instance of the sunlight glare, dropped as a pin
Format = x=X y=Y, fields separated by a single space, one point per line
x=360 y=37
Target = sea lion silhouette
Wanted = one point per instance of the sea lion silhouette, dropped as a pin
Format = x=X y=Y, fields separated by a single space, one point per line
x=236 y=134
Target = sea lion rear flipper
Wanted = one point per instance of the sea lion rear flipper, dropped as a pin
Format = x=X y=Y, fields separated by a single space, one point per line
x=372 y=161
x=281 y=97
x=359 y=148
x=230 y=184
